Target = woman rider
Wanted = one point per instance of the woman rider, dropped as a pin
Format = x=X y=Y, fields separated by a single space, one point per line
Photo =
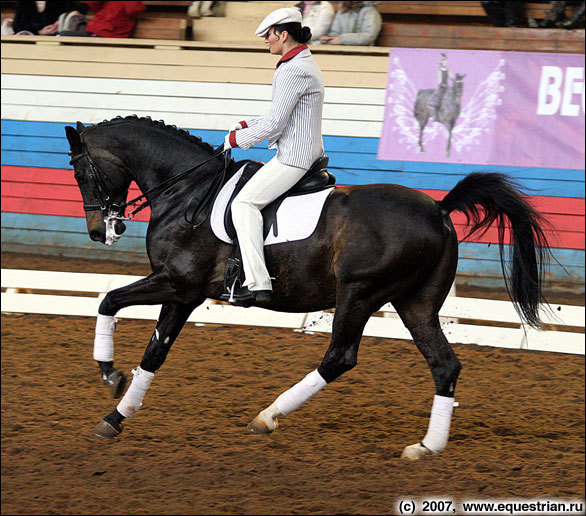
x=293 y=127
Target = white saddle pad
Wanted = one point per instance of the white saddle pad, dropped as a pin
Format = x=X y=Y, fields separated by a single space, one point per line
x=297 y=217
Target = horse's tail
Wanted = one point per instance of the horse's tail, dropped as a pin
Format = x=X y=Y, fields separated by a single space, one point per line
x=501 y=199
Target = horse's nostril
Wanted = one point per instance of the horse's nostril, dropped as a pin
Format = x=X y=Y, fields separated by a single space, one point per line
x=95 y=236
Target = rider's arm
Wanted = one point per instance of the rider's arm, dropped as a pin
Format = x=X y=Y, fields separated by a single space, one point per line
x=290 y=83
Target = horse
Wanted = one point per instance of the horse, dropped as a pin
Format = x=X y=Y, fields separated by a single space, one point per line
x=373 y=244
x=446 y=112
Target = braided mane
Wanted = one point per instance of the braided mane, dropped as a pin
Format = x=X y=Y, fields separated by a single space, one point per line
x=147 y=120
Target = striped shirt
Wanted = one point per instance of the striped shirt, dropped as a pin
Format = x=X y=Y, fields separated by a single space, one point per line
x=293 y=126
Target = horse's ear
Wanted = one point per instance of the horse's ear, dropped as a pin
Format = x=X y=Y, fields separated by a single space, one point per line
x=73 y=138
x=80 y=127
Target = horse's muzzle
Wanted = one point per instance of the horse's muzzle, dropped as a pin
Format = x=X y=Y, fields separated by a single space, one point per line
x=97 y=236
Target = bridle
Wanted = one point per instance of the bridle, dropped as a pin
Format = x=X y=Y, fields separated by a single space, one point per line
x=116 y=210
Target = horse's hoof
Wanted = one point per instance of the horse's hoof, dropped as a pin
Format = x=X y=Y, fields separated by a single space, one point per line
x=262 y=425
x=106 y=430
x=415 y=452
x=116 y=382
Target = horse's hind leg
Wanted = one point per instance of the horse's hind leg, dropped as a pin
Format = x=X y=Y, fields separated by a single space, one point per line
x=171 y=321
x=449 y=144
x=351 y=316
x=419 y=312
x=445 y=369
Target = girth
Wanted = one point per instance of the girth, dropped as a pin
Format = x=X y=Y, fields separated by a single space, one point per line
x=317 y=178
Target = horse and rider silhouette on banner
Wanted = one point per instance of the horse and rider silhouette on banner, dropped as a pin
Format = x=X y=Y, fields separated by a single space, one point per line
x=441 y=105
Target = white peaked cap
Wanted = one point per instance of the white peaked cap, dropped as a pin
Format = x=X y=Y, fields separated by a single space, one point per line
x=283 y=15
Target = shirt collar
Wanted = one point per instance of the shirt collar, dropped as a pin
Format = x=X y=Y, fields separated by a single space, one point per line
x=291 y=54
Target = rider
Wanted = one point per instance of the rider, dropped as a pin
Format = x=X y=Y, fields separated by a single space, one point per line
x=442 y=80
x=293 y=127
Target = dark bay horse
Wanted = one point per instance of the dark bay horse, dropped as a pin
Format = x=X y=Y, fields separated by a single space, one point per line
x=373 y=244
x=446 y=112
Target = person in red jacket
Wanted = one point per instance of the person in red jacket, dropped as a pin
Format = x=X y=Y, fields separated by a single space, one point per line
x=114 y=19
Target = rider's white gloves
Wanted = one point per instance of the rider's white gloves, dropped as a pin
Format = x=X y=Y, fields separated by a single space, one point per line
x=227 y=142
x=234 y=127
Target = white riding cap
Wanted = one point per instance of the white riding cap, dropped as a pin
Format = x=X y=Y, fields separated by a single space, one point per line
x=283 y=15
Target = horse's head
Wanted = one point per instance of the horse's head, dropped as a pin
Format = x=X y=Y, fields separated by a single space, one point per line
x=459 y=84
x=103 y=183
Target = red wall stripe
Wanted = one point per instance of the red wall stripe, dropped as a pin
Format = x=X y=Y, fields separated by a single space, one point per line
x=54 y=192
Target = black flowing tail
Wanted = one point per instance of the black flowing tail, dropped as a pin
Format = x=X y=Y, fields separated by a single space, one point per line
x=490 y=197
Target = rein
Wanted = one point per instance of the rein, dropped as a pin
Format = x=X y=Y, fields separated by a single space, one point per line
x=117 y=211
x=210 y=194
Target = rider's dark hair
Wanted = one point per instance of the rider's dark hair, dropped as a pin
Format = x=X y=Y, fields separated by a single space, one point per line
x=297 y=32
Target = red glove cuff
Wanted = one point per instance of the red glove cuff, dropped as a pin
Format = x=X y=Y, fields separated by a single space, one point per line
x=243 y=124
x=232 y=139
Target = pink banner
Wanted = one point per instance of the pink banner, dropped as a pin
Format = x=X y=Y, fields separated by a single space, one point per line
x=482 y=107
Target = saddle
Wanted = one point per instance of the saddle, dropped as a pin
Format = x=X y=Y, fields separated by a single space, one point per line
x=317 y=178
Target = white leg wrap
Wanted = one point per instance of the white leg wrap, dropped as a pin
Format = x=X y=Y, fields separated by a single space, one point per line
x=104 y=339
x=298 y=394
x=132 y=400
x=438 y=430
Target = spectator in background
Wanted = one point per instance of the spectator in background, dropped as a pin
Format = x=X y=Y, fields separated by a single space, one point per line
x=112 y=20
x=505 y=14
x=355 y=23
x=41 y=17
x=557 y=15
x=318 y=16
x=199 y=9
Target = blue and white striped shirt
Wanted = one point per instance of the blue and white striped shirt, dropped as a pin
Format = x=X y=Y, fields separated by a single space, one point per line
x=293 y=126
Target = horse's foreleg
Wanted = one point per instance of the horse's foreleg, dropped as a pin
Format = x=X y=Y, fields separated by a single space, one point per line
x=449 y=145
x=171 y=321
x=151 y=290
x=341 y=356
x=113 y=378
x=422 y=125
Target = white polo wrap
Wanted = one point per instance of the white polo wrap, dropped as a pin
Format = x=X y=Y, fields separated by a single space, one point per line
x=104 y=339
x=132 y=400
x=298 y=394
x=438 y=430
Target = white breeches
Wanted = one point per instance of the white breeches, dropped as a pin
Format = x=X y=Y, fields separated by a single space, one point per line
x=271 y=181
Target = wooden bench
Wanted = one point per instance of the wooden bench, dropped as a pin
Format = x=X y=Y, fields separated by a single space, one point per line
x=160 y=27
x=420 y=35
x=454 y=9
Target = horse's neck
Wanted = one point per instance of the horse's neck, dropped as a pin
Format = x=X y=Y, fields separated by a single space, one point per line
x=158 y=165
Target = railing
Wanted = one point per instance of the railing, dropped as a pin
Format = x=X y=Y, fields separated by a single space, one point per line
x=464 y=320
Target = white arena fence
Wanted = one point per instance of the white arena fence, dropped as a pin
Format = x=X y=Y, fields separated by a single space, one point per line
x=464 y=320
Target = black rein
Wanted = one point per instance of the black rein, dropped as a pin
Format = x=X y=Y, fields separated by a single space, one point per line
x=97 y=178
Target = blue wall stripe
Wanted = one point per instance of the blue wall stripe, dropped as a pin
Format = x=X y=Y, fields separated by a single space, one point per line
x=353 y=160
x=344 y=159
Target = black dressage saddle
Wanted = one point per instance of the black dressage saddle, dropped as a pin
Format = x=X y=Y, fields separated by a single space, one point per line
x=316 y=179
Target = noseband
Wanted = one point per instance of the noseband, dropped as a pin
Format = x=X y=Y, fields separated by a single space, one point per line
x=115 y=210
